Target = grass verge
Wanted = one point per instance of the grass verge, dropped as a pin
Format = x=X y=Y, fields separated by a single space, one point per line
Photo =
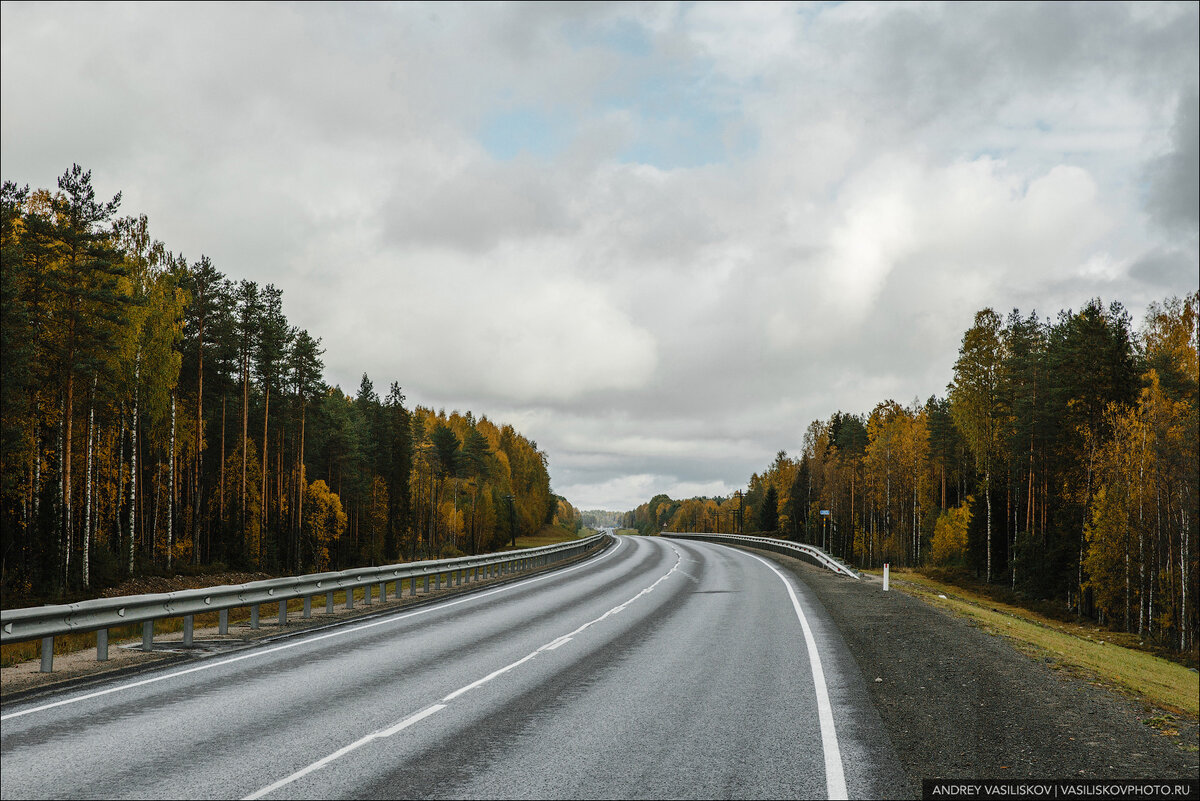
x=1159 y=681
x=549 y=535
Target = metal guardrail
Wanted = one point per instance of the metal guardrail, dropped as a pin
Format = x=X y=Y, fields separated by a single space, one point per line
x=100 y=614
x=809 y=553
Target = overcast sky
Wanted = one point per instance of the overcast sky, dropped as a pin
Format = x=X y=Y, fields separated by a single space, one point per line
x=658 y=239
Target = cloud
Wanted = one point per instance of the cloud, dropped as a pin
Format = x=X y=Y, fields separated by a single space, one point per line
x=478 y=206
x=1165 y=268
x=1174 y=198
x=660 y=239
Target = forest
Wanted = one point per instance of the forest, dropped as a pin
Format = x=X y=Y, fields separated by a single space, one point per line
x=158 y=415
x=1063 y=462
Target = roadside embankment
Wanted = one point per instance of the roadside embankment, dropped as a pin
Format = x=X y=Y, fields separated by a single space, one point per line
x=960 y=702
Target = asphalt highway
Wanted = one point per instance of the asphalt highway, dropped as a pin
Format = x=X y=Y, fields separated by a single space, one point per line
x=658 y=669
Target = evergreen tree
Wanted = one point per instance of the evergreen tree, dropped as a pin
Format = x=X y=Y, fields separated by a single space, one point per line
x=304 y=369
x=205 y=285
x=89 y=304
x=397 y=470
x=768 y=516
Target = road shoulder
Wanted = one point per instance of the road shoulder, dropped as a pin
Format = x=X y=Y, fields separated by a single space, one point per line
x=960 y=703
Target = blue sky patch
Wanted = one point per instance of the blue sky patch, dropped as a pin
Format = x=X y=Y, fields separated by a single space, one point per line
x=507 y=134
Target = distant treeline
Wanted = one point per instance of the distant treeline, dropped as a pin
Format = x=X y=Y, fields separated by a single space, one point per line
x=601 y=518
x=1063 y=461
x=157 y=415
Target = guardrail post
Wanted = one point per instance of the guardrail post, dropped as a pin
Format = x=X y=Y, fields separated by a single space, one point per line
x=307 y=606
x=223 y=623
x=329 y=602
x=349 y=597
x=148 y=635
x=366 y=595
x=437 y=581
x=383 y=592
x=412 y=586
x=253 y=616
x=102 y=645
x=283 y=612
x=47 y=654
x=189 y=624
x=426 y=582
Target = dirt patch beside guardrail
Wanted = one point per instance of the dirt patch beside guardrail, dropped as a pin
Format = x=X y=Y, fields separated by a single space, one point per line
x=959 y=703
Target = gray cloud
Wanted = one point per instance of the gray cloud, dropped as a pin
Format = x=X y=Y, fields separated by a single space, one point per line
x=1165 y=268
x=1174 y=199
x=882 y=173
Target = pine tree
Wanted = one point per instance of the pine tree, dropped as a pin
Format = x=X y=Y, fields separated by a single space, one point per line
x=274 y=338
x=304 y=369
x=89 y=303
x=249 y=311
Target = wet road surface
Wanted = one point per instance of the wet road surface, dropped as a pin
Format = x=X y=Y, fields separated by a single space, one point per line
x=657 y=669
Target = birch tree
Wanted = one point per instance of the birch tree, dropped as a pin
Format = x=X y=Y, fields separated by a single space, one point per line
x=975 y=403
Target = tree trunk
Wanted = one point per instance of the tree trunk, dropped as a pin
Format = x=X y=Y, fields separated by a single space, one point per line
x=171 y=487
x=68 y=419
x=222 y=501
x=246 y=545
x=987 y=491
x=303 y=486
x=1183 y=571
x=120 y=481
x=1141 y=537
x=133 y=468
x=198 y=462
x=265 y=450
x=87 y=507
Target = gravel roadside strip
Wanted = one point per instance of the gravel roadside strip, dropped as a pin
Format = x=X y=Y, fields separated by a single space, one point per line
x=959 y=703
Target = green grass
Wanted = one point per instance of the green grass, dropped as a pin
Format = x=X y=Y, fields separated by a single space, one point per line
x=1089 y=651
x=547 y=535
x=626 y=531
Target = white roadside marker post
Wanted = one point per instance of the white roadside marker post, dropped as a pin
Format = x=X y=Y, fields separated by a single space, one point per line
x=886 y=566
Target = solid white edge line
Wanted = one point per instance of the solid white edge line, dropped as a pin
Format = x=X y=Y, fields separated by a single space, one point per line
x=307 y=640
x=835 y=777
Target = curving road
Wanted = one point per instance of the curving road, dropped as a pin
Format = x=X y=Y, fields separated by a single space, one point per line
x=657 y=669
